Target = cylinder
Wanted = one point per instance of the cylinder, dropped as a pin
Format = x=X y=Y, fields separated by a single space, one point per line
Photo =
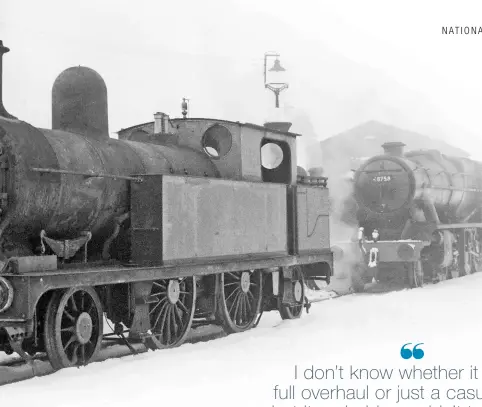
x=79 y=103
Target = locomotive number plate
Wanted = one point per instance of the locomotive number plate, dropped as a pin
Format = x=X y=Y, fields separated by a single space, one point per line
x=382 y=178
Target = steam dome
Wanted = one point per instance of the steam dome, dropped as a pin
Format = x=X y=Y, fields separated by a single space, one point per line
x=79 y=103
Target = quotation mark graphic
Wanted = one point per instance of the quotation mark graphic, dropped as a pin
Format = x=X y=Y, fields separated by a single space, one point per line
x=416 y=353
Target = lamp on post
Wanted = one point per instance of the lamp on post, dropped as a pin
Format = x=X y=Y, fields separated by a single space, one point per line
x=275 y=87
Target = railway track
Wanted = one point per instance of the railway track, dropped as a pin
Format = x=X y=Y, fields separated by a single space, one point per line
x=15 y=369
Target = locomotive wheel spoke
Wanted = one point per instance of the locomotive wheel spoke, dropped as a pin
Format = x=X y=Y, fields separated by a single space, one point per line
x=73 y=327
x=69 y=329
x=239 y=300
x=67 y=314
x=72 y=301
x=235 y=292
x=159 y=302
x=183 y=307
x=297 y=287
x=171 y=310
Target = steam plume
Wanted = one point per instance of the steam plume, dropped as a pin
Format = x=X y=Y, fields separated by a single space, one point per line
x=343 y=226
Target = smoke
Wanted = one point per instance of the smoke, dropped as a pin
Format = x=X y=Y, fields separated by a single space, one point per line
x=337 y=167
x=340 y=182
x=343 y=226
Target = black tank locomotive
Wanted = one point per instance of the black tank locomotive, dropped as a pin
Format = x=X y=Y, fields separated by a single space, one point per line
x=187 y=226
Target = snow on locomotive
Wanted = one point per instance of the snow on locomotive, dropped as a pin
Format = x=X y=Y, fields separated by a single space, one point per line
x=184 y=227
x=420 y=210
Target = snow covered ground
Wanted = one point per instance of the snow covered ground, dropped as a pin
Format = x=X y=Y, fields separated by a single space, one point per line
x=359 y=330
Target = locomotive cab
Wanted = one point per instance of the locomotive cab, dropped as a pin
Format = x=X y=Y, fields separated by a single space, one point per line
x=239 y=151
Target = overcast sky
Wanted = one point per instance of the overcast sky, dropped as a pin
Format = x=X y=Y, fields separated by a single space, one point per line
x=146 y=50
x=402 y=39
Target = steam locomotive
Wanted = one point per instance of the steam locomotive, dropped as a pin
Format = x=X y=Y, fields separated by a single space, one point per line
x=186 y=227
x=420 y=215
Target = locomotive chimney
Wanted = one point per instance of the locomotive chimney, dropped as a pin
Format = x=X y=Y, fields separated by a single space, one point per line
x=3 y=112
x=79 y=103
x=394 y=148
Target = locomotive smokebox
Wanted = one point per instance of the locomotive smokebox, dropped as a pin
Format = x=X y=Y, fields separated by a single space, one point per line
x=394 y=148
x=79 y=103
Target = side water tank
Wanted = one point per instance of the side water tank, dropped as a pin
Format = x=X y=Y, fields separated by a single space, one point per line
x=79 y=103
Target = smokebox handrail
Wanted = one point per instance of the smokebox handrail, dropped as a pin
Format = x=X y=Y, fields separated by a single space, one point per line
x=87 y=174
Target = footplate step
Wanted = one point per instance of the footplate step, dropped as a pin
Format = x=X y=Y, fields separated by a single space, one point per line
x=15 y=338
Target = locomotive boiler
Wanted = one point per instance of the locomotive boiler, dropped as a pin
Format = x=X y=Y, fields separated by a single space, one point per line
x=421 y=209
x=177 y=223
x=54 y=181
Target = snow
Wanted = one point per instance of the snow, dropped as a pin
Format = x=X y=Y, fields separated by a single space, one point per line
x=361 y=330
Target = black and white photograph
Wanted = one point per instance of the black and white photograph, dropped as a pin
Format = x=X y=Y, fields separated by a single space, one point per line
x=233 y=203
